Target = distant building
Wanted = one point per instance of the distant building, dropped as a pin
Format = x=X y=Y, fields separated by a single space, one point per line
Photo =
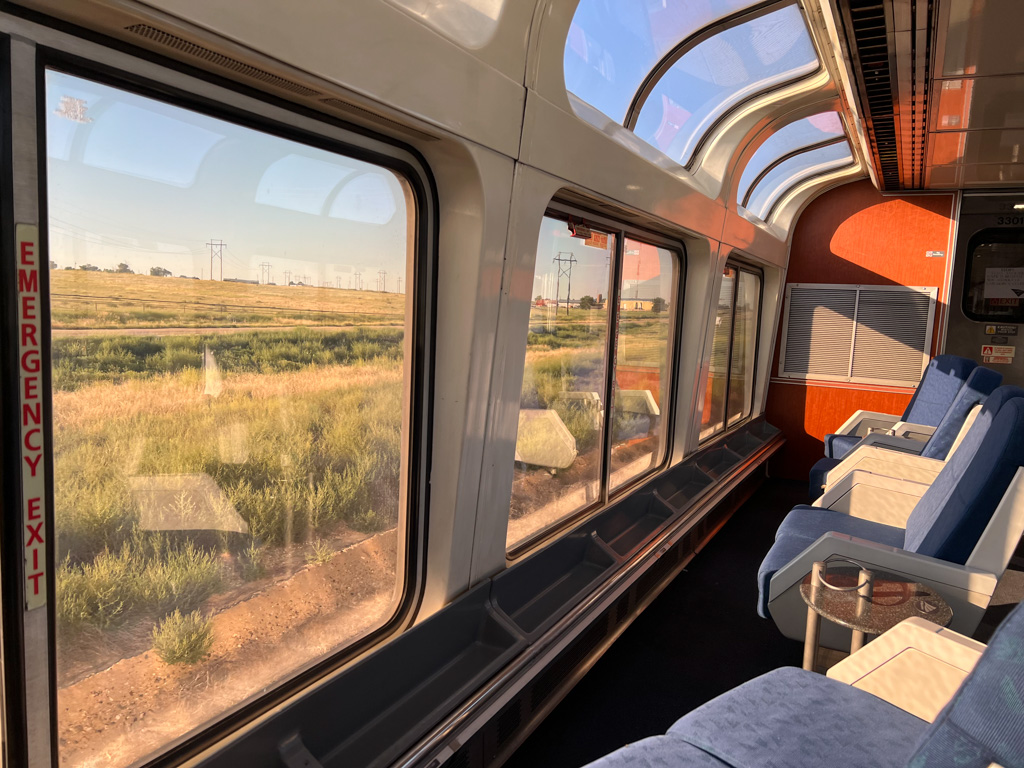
x=636 y=305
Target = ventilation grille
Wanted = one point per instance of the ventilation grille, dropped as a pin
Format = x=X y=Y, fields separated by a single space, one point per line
x=891 y=335
x=819 y=332
x=870 y=39
x=180 y=44
x=857 y=334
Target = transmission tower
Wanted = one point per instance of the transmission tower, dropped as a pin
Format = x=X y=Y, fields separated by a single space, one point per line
x=399 y=284
x=287 y=277
x=265 y=272
x=359 y=281
x=564 y=269
x=217 y=252
x=382 y=278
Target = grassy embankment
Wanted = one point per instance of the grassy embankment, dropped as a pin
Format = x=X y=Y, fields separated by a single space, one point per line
x=303 y=435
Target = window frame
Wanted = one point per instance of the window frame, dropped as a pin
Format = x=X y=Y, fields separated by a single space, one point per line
x=241 y=107
x=622 y=231
x=738 y=263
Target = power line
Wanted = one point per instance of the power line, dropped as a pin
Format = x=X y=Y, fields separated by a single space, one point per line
x=217 y=251
x=564 y=268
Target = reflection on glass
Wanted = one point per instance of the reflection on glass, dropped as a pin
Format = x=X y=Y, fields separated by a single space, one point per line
x=614 y=44
x=641 y=360
x=562 y=409
x=995 y=276
x=469 y=22
x=713 y=413
x=229 y=361
x=744 y=346
x=791 y=137
x=791 y=172
x=721 y=72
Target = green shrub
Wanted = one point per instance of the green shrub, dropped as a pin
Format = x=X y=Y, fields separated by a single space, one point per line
x=251 y=562
x=183 y=639
x=320 y=553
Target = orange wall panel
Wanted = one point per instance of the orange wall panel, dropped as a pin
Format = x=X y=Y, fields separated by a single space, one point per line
x=854 y=235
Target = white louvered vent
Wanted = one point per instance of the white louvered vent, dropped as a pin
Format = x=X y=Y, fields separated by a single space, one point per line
x=871 y=334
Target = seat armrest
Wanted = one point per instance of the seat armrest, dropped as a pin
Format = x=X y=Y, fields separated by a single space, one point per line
x=878 y=498
x=931 y=571
x=916 y=666
x=881 y=461
x=862 y=422
x=920 y=432
x=894 y=443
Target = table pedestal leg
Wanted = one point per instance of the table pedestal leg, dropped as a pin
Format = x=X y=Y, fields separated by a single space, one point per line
x=856 y=642
x=811 y=639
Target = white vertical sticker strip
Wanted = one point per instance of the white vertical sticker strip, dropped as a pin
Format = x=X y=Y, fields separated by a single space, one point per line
x=31 y=393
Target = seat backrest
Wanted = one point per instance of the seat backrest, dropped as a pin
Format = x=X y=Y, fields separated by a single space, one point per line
x=939 y=384
x=979 y=385
x=984 y=721
x=952 y=514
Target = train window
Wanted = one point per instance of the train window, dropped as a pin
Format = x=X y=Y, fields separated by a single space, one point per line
x=995 y=276
x=670 y=71
x=643 y=343
x=568 y=382
x=792 y=170
x=559 y=447
x=720 y=72
x=230 y=363
x=793 y=137
x=728 y=392
x=744 y=346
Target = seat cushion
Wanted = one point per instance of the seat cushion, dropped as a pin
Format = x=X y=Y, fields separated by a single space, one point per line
x=942 y=380
x=790 y=718
x=659 y=752
x=813 y=522
x=817 y=477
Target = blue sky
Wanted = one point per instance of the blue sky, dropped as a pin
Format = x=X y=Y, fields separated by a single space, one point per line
x=136 y=180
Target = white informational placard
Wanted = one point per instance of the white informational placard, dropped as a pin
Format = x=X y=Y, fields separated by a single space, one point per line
x=1004 y=282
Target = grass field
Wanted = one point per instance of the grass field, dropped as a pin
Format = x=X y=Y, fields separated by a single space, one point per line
x=103 y=300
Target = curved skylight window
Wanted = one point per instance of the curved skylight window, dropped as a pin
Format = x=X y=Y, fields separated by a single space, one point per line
x=792 y=137
x=614 y=44
x=299 y=183
x=721 y=72
x=795 y=169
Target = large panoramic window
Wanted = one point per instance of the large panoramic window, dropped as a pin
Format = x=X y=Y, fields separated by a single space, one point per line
x=573 y=395
x=669 y=71
x=794 y=169
x=729 y=387
x=719 y=73
x=230 y=357
x=790 y=139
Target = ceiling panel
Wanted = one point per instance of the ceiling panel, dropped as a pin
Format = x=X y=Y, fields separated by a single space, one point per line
x=980 y=37
x=978 y=103
x=972 y=147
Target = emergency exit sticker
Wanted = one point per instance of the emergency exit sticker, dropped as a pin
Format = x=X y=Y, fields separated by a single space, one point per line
x=31 y=393
x=997 y=350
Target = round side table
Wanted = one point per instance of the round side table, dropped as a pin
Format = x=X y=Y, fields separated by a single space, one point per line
x=868 y=602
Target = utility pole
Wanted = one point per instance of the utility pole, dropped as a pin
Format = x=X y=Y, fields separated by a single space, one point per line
x=337 y=281
x=382 y=276
x=305 y=279
x=399 y=284
x=265 y=271
x=359 y=281
x=217 y=252
x=564 y=268
x=287 y=277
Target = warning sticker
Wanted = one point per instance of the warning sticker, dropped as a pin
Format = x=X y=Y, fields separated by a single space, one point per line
x=1002 y=330
x=997 y=360
x=1004 y=282
x=998 y=351
x=32 y=465
x=597 y=240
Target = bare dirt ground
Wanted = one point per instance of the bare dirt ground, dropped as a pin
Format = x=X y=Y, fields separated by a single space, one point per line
x=120 y=714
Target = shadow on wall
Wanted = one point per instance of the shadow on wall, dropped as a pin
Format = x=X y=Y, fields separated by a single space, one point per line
x=854 y=236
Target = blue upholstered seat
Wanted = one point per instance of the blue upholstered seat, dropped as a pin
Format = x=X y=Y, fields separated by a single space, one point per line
x=939 y=385
x=948 y=520
x=980 y=383
x=790 y=718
